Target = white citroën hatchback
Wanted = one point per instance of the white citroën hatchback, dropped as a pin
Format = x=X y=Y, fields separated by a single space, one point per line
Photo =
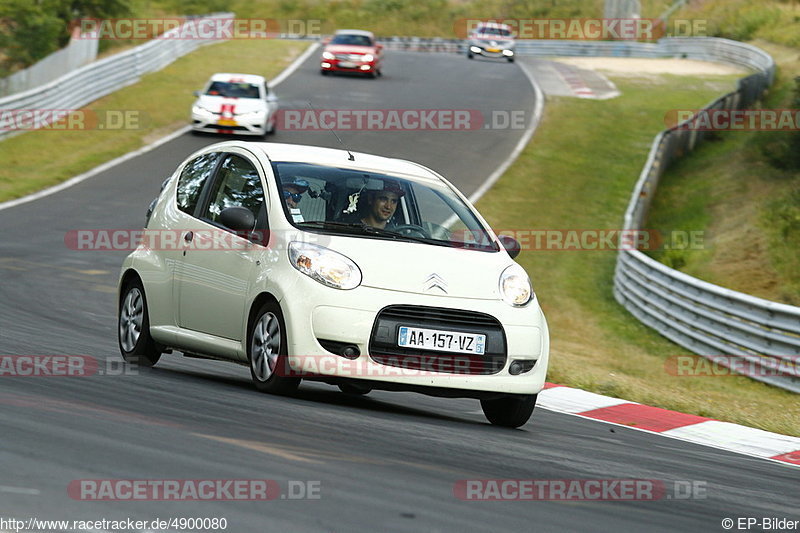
x=356 y=270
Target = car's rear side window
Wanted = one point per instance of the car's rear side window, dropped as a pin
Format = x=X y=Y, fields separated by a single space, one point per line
x=237 y=184
x=193 y=177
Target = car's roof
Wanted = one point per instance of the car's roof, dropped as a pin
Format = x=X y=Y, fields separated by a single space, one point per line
x=237 y=78
x=354 y=32
x=278 y=152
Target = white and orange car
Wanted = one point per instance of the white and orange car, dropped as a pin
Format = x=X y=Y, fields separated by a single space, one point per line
x=352 y=51
x=235 y=103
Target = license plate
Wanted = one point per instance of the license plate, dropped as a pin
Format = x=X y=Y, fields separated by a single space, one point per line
x=445 y=341
x=226 y=122
x=492 y=49
x=347 y=64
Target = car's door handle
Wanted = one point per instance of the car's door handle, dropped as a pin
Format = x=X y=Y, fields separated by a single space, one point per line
x=188 y=237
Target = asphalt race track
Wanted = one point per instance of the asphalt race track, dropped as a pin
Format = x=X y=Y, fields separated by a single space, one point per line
x=384 y=462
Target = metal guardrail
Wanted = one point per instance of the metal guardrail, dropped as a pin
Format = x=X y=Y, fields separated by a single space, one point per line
x=731 y=328
x=103 y=77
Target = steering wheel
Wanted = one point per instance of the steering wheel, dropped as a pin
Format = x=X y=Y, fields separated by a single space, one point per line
x=412 y=230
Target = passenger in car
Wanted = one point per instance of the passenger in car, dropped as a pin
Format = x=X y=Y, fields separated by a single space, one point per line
x=292 y=193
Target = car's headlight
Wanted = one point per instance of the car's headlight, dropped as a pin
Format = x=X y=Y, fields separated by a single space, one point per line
x=367 y=57
x=328 y=55
x=324 y=265
x=515 y=286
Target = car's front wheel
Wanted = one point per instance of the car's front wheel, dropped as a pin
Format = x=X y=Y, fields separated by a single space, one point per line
x=267 y=349
x=510 y=59
x=133 y=327
x=511 y=411
x=470 y=55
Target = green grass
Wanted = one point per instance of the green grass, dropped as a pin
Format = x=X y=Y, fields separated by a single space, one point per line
x=578 y=173
x=736 y=191
x=38 y=159
x=777 y=21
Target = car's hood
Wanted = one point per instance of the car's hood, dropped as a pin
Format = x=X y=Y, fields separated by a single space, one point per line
x=349 y=49
x=233 y=105
x=423 y=268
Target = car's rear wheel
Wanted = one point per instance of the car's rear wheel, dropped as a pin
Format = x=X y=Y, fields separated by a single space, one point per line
x=511 y=411
x=267 y=349
x=133 y=327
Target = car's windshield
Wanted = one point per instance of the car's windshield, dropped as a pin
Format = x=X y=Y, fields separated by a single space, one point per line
x=376 y=205
x=233 y=90
x=353 y=40
x=490 y=30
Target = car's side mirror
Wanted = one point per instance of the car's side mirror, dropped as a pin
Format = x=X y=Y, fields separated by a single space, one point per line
x=196 y=93
x=237 y=218
x=511 y=245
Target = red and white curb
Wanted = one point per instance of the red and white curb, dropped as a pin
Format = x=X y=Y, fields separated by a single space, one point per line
x=574 y=80
x=691 y=428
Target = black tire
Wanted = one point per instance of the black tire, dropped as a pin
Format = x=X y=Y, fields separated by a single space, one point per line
x=510 y=59
x=267 y=349
x=470 y=56
x=324 y=72
x=357 y=390
x=133 y=327
x=511 y=411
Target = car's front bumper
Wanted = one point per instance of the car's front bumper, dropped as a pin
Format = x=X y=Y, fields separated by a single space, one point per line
x=336 y=65
x=488 y=51
x=214 y=123
x=309 y=321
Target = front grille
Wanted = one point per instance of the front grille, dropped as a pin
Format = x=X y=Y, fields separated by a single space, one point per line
x=383 y=347
x=220 y=127
x=349 y=57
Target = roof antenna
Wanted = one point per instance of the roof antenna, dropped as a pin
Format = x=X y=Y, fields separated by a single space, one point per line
x=349 y=153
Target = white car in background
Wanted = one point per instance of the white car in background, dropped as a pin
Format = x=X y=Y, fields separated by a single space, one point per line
x=491 y=39
x=235 y=103
x=267 y=255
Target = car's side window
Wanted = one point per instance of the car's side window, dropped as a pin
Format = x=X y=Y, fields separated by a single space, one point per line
x=237 y=184
x=192 y=179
